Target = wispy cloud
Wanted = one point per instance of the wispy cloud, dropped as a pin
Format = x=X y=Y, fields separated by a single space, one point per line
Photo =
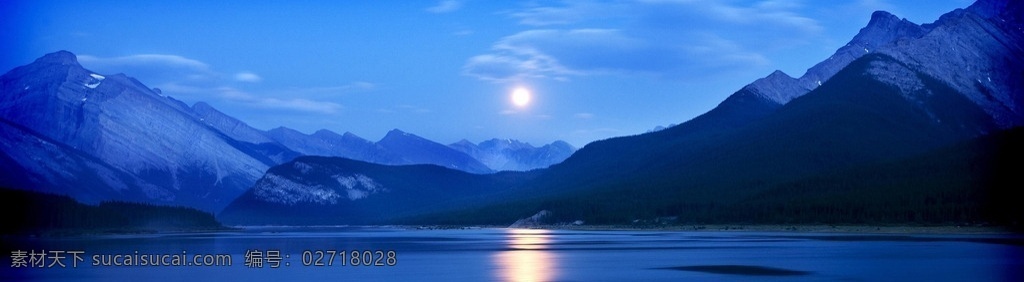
x=174 y=61
x=184 y=77
x=247 y=77
x=559 y=54
x=572 y=12
x=153 y=67
x=675 y=38
x=292 y=104
x=445 y=6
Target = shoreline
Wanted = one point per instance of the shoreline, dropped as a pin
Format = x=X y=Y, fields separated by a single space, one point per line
x=878 y=229
x=88 y=232
x=810 y=229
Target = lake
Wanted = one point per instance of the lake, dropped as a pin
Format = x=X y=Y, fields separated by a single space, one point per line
x=396 y=254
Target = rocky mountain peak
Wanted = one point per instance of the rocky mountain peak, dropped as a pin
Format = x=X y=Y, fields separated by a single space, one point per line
x=883 y=29
x=350 y=135
x=882 y=18
x=778 y=87
x=563 y=145
x=502 y=144
x=60 y=57
x=395 y=133
x=465 y=143
x=324 y=133
x=202 y=107
x=979 y=52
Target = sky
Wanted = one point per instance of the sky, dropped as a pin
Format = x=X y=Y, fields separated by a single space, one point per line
x=447 y=70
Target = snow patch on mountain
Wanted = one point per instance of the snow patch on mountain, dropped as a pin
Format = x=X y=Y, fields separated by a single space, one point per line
x=301 y=187
x=359 y=186
x=94 y=81
x=274 y=188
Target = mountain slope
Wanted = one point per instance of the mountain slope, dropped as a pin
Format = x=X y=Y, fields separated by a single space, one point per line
x=327 y=143
x=759 y=98
x=418 y=150
x=743 y=108
x=969 y=182
x=157 y=146
x=977 y=51
x=883 y=29
x=325 y=190
x=33 y=161
x=850 y=121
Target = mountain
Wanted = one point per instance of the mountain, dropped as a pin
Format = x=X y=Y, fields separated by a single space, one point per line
x=767 y=94
x=853 y=119
x=514 y=155
x=330 y=190
x=68 y=130
x=909 y=96
x=883 y=29
x=419 y=150
x=327 y=143
x=978 y=52
x=396 y=148
x=899 y=130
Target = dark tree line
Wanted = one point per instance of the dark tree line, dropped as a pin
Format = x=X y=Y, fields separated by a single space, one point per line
x=970 y=183
x=37 y=212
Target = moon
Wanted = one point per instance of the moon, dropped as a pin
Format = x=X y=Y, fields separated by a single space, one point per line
x=521 y=97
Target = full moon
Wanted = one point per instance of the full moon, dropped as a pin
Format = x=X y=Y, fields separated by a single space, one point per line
x=521 y=97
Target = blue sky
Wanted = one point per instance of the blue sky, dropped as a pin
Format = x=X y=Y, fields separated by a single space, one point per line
x=445 y=70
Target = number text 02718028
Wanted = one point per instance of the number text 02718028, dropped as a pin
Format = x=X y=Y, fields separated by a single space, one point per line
x=274 y=258
x=349 y=258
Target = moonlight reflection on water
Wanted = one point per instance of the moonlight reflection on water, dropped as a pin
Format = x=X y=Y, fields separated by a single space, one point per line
x=526 y=258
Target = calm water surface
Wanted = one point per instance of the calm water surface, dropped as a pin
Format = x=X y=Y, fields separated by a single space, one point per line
x=536 y=255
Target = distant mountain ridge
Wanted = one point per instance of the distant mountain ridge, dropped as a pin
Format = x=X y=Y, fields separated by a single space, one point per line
x=513 y=155
x=402 y=148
